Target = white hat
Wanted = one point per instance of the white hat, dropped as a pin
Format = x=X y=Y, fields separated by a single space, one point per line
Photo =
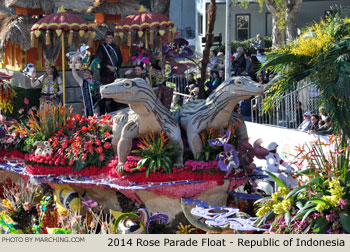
x=272 y=146
x=308 y=114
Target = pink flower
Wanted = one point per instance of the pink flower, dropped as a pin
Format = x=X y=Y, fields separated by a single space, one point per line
x=21 y=110
x=26 y=206
x=26 y=101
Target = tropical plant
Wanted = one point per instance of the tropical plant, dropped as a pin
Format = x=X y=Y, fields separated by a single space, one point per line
x=321 y=56
x=157 y=152
x=7 y=94
x=321 y=205
x=42 y=124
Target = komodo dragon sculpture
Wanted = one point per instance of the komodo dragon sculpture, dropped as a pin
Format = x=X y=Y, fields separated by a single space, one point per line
x=217 y=110
x=145 y=114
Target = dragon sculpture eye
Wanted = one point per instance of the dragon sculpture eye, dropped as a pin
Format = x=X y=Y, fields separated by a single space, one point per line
x=127 y=84
x=238 y=82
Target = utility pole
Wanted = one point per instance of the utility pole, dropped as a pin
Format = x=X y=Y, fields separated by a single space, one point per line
x=228 y=41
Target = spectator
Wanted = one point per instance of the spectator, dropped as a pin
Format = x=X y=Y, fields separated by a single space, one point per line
x=190 y=81
x=137 y=72
x=314 y=122
x=111 y=59
x=259 y=44
x=248 y=65
x=321 y=123
x=238 y=64
x=213 y=61
x=222 y=75
x=246 y=109
x=299 y=113
x=255 y=66
x=323 y=113
x=260 y=78
x=306 y=124
x=326 y=129
x=216 y=79
x=51 y=85
x=271 y=77
x=221 y=58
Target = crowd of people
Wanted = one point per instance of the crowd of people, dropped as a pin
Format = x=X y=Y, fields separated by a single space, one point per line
x=319 y=124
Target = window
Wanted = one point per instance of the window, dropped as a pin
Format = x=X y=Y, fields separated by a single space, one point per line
x=242 y=27
x=200 y=23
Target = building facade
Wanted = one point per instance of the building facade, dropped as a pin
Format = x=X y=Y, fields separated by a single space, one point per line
x=247 y=23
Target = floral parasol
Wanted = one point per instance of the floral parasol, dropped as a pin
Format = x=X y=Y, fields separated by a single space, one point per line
x=144 y=22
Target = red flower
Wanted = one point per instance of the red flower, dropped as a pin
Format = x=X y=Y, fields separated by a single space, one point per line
x=64 y=144
x=102 y=157
x=71 y=162
x=107 y=145
x=83 y=157
x=55 y=143
x=84 y=129
x=107 y=134
x=77 y=117
x=97 y=142
x=99 y=150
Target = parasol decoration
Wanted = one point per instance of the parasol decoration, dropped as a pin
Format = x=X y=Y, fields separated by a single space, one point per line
x=62 y=22
x=145 y=24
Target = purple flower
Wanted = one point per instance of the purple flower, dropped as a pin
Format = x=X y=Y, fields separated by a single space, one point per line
x=342 y=203
x=228 y=159
x=220 y=141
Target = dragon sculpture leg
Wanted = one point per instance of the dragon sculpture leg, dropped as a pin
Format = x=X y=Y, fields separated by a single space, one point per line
x=195 y=142
x=118 y=124
x=129 y=132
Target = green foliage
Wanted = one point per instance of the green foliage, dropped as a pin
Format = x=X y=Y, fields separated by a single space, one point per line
x=157 y=153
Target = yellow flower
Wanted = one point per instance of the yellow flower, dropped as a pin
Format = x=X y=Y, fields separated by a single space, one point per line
x=278 y=208
x=287 y=204
x=187 y=229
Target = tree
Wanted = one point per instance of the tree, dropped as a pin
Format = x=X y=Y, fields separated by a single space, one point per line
x=161 y=7
x=208 y=45
x=284 y=17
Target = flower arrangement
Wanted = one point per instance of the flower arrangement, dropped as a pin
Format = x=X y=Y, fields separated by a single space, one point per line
x=321 y=204
x=81 y=142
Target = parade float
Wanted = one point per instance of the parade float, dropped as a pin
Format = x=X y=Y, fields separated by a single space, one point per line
x=64 y=173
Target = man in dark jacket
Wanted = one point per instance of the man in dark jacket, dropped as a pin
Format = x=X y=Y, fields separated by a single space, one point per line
x=110 y=59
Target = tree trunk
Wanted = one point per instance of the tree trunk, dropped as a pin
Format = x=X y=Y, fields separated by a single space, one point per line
x=208 y=45
x=293 y=7
x=278 y=33
x=161 y=7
